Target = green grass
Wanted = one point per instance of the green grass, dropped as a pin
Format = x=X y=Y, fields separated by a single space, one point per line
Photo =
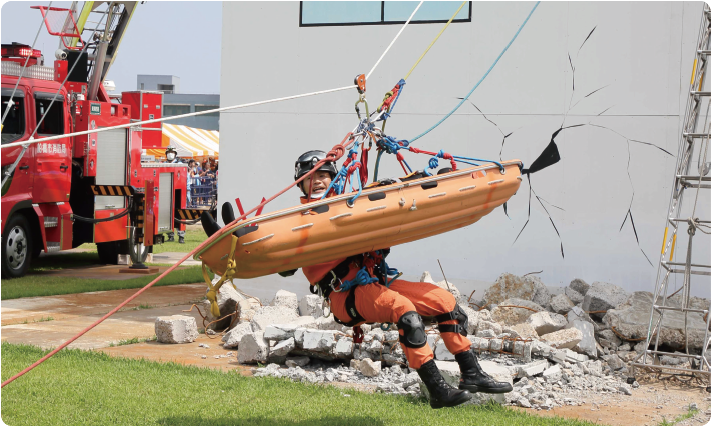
x=88 y=388
x=44 y=285
x=194 y=237
x=690 y=414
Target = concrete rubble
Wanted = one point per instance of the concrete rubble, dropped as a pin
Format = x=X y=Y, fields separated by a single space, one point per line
x=176 y=329
x=543 y=342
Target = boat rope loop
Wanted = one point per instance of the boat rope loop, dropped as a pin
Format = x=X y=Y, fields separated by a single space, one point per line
x=227 y=276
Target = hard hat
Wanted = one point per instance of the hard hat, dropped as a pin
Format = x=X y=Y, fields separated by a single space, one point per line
x=306 y=162
x=171 y=152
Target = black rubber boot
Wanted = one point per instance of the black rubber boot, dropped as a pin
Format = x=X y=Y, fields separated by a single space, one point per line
x=181 y=240
x=441 y=394
x=475 y=379
x=170 y=237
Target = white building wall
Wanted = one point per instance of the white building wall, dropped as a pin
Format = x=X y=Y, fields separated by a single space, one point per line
x=642 y=51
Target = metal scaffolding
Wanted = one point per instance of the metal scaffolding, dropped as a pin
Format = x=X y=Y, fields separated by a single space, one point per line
x=695 y=139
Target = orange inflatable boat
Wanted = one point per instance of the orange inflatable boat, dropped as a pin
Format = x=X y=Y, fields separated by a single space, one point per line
x=382 y=216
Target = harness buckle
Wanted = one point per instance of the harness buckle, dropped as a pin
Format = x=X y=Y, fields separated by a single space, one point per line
x=334 y=280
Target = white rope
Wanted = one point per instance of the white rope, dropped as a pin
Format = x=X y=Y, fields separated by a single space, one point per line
x=394 y=40
x=180 y=116
x=22 y=72
x=217 y=110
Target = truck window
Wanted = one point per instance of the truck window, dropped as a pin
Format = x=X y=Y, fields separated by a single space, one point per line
x=14 y=125
x=53 y=124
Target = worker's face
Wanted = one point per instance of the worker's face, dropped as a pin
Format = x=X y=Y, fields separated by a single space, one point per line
x=320 y=182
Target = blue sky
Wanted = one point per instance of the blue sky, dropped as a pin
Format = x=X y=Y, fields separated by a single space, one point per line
x=178 y=38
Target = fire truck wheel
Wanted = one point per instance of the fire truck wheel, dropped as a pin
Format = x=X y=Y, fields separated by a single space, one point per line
x=16 y=247
x=108 y=252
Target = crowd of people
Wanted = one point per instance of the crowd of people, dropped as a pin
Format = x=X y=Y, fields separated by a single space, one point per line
x=201 y=180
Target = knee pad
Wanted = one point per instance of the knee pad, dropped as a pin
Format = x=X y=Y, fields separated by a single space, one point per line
x=414 y=331
x=457 y=314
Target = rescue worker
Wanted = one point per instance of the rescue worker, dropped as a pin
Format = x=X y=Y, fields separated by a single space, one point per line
x=401 y=303
x=172 y=157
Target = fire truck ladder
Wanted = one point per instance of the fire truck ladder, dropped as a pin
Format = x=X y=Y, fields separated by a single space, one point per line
x=695 y=137
x=110 y=20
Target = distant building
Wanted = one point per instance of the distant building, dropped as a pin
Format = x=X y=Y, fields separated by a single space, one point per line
x=176 y=103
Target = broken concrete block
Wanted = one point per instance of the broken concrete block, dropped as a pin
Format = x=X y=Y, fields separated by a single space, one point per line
x=441 y=352
x=558 y=356
x=293 y=362
x=175 y=329
x=574 y=357
x=631 y=319
x=545 y=323
x=493 y=326
x=553 y=374
x=426 y=277
x=283 y=348
x=343 y=348
x=573 y=295
x=310 y=305
x=450 y=287
x=561 y=304
x=580 y=286
x=532 y=369
x=246 y=310
x=316 y=340
x=285 y=331
x=286 y=299
x=588 y=345
x=602 y=297
x=485 y=333
x=228 y=299
x=512 y=286
x=525 y=330
x=565 y=338
x=507 y=313
x=496 y=345
x=369 y=368
x=473 y=318
x=272 y=315
x=253 y=348
x=233 y=337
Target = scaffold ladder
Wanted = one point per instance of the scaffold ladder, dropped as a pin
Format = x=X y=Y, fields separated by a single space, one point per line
x=695 y=139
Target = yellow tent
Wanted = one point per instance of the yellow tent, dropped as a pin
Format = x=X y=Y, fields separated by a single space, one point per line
x=189 y=142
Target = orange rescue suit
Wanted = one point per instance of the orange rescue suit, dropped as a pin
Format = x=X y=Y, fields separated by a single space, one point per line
x=377 y=303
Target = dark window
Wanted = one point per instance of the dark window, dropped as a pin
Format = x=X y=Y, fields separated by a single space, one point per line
x=208 y=107
x=175 y=110
x=53 y=122
x=166 y=88
x=14 y=125
x=329 y=13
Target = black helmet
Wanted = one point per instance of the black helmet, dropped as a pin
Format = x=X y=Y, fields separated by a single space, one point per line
x=306 y=162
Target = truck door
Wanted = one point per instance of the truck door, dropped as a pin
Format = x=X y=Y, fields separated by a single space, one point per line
x=53 y=165
x=16 y=129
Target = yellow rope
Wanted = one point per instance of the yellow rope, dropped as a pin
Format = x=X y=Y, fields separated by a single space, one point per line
x=227 y=276
x=434 y=40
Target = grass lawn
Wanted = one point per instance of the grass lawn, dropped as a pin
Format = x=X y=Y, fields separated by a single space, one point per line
x=194 y=237
x=44 y=285
x=86 y=388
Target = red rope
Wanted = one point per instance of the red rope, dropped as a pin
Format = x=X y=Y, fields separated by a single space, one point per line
x=431 y=153
x=334 y=154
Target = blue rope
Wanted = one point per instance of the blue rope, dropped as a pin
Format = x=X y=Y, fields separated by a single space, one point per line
x=362 y=278
x=481 y=79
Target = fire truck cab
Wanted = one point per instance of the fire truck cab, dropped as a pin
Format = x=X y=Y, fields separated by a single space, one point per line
x=68 y=191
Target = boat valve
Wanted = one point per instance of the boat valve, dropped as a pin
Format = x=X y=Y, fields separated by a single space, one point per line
x=413 y=206
x=402 y=202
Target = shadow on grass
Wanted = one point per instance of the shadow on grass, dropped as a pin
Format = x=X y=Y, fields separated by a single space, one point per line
x=327 y=420
x=61 y=261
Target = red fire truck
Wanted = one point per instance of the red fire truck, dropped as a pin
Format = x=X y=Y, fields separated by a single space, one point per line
x=88 y=188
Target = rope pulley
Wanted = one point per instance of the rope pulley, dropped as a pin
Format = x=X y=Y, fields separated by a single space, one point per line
x=360 y=82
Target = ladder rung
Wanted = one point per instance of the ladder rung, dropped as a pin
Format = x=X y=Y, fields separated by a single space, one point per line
x=671 y=368
x=704 y=52
x=693 y=310
x=699 y=273
x=701 y=93
x=694 y=178
x=696 y=135
x=683 y=263
x=664 y=353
